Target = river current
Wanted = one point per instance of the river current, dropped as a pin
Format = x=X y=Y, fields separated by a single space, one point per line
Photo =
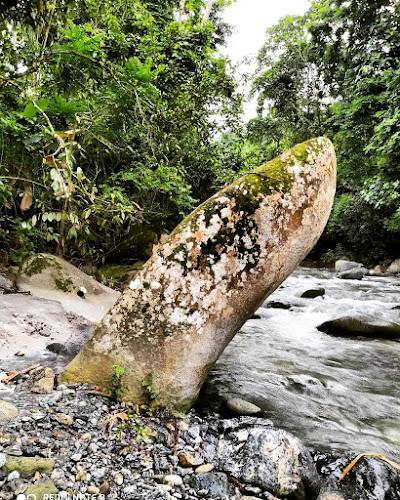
x=334 y=393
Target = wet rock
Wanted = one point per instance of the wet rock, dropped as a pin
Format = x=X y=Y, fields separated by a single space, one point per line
x=39 y=491
x=216 y=484
x=8 y=412
x=27 y=466
x=353 y=274
x=48 y=276
x=43 y=381
x=242 y=407
x=274 y=304
x=346 y=265
x=370 y=478
x=313 y=293
x=394 y=267
x=58 y=348
x=283 y=465
x=350 y=270
x=361 y=325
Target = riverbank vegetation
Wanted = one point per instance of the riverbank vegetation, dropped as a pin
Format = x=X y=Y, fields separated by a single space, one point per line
x=118 y=118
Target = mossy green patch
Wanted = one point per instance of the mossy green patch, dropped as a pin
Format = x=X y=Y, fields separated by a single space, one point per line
x=64 y=284
x=27 y=466
x=37 y=264
x=39 y=491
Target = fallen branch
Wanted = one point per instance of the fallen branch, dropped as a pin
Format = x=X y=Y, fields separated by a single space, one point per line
x=369 y=454
x=12 y=374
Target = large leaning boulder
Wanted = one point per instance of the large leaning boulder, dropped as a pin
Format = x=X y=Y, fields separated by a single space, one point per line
x=217 y=267
x=53 y=278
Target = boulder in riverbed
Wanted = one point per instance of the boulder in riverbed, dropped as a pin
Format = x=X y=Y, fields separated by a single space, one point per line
x=209 y=276
x=349 y=270
x=53 y=278
x=346 y=265
x=361 y=325
x=269 y=458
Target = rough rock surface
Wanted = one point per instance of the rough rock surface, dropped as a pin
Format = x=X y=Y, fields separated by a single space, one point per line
x=346 y=265
x=370 y=479
x=394 y=267
x=271 y=459
x=53 y=278
x=367 y=326
x=198 y=288
x=356 y=273
x=7 y=412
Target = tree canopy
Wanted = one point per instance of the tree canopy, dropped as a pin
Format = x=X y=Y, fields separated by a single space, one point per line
x=107 y=113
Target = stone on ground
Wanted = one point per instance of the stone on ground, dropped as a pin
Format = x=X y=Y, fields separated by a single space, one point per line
x=8 y=412
x=53 y=278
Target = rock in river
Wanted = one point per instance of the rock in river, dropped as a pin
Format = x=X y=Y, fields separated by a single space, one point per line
x=312 y=293
x=210 y=275
x=363 y=325
x=242 y=407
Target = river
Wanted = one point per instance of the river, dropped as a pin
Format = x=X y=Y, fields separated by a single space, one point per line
x=334 y=393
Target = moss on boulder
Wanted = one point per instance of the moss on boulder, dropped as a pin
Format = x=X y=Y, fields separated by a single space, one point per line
x=51 y=277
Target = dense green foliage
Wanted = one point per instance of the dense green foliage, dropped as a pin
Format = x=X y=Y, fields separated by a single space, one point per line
x=336 y=71
x=106 y=118
x=117 y=118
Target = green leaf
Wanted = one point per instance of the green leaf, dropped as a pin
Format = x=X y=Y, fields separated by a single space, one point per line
x=31 y=111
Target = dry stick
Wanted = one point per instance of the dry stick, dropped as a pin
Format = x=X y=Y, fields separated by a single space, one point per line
x=368 y=454
x=12 y=374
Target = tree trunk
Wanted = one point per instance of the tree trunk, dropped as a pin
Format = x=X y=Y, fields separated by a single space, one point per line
x=174 y=320
x=208 y=10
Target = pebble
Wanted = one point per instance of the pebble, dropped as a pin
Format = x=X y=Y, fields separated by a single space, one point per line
x=3 y=459
x=93 y=490
x=118 y=478
x=76 y=457
x=204 y=468
x=13 y=475
x=173 y=480
x=105 y=488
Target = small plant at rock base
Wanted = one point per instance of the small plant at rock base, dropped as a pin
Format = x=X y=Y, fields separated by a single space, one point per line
x=147 y=384
x=116 y=381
